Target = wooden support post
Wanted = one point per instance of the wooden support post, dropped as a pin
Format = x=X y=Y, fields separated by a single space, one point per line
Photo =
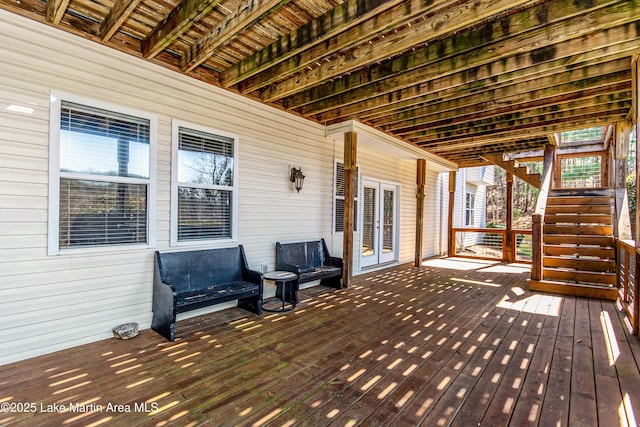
x=635 y=119
x=509 y=254
x=451 y=241
x=421 y=177
x=536 y=247
x=622 y=138
x=350 y=156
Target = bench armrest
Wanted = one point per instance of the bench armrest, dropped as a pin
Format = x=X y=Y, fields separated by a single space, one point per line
x=252 y=276
x=334 y=262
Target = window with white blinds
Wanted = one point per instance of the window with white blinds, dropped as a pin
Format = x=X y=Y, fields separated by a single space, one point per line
x=204 y=184
x=338 y=206
x=103 y=176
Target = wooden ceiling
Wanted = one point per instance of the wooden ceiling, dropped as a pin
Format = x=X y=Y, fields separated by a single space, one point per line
x=457 y=78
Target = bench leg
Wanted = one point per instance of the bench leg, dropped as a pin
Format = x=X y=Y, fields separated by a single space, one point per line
x=251 y=304
x=332 y=282
x=163 y=324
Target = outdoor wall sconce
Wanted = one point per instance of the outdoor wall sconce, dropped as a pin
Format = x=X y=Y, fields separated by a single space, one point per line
x=297 y=177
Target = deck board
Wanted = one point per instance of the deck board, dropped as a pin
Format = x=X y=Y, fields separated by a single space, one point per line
x=452 y=343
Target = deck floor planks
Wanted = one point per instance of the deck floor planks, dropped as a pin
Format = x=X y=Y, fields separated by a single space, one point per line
x=395 y=405
x=234 y=368
x=483 y=391
x=606 y=378
x=529 y=402
x=583 y=389
x=555 y=407
x=364 y=400
x=503 y=402
x=338 y=386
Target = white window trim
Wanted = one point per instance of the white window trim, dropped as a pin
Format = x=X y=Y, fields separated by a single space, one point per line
x=176 y=124
x=335 y=197
x=56 y=97
x=472 y=209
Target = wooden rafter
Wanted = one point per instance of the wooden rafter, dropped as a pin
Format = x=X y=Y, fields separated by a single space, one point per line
x=305 y=43
x=116 y=16
x=56 y=10
x=344 y=27
x=246 y=15
x=469 y=58
x=437 y=25
x=176 y=23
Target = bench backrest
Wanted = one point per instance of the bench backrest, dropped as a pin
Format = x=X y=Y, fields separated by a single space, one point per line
x=192 y=270
x=306 y=255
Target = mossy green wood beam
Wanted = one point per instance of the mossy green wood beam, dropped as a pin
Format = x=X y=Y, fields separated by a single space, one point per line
x=461 y=107
x=507 y=70
x=559 y=112
x=458 y=142
x=56 y=10
x=245 y=16
x=447 y=21
x=116 y=16
x=520 y=124
x=308 y=44
x=537 y=106
x=176 y=23
x=474 y=55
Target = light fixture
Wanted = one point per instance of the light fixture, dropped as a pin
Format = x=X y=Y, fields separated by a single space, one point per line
x=297 y=177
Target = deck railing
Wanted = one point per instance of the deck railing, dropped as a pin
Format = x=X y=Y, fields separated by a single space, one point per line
x=627 y=268
x=490 y=243
x=537 y=219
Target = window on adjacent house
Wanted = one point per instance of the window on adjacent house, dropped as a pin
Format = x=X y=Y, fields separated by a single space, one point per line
x=338 y=211
x=469 y=209
x=204 y=189
x=101 y=175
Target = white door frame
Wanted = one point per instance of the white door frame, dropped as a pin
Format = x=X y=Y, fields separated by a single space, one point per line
x=379 y=256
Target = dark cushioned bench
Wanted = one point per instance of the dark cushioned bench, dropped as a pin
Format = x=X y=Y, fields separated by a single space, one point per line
x=188 y=280
x=310 y=261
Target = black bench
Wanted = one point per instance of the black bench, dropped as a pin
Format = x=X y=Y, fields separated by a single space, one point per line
x=310 y=261
x=188 y=280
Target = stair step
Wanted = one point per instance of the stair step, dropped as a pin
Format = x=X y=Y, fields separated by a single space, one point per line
x=559 y=239
x=600 y=278
x=583 y=192
x=578 y=218
x=599 y=230
x=580 y=290
x=585 y=251
x=582 y=209
x=575 y=200
x=581 y=264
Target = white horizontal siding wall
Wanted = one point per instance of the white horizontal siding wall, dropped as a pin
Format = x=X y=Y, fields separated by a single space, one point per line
x=53 y=302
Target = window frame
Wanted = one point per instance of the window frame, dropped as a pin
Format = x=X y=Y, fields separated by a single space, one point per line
x=53 y=229
x=176 y=124
x=469 y=211
x=336 y=197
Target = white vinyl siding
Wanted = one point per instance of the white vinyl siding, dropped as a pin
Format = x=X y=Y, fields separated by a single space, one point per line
x=79 y=295
x=204 y=201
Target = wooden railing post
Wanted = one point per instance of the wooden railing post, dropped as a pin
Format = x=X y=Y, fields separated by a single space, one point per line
x=508 y=245
x=536 y=247
x=451 y=241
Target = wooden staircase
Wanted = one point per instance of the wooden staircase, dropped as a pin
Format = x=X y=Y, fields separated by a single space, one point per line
x=578 y=244
x=512 y=166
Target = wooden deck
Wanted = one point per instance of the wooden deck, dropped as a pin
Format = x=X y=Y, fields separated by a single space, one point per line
x=455 y=342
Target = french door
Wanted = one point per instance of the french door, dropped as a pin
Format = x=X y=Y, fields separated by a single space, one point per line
x=379 y=223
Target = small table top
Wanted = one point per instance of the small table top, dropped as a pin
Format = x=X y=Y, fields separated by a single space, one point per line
x=280 y=275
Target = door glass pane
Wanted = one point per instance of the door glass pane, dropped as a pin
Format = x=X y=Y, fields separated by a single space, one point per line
x=369 y=226
x=387 y=231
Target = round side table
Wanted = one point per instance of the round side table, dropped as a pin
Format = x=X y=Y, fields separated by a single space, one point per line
x=285 y=281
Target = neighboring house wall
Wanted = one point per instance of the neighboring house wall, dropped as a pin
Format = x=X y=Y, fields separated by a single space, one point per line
x=55 y=302
x=475 y=181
